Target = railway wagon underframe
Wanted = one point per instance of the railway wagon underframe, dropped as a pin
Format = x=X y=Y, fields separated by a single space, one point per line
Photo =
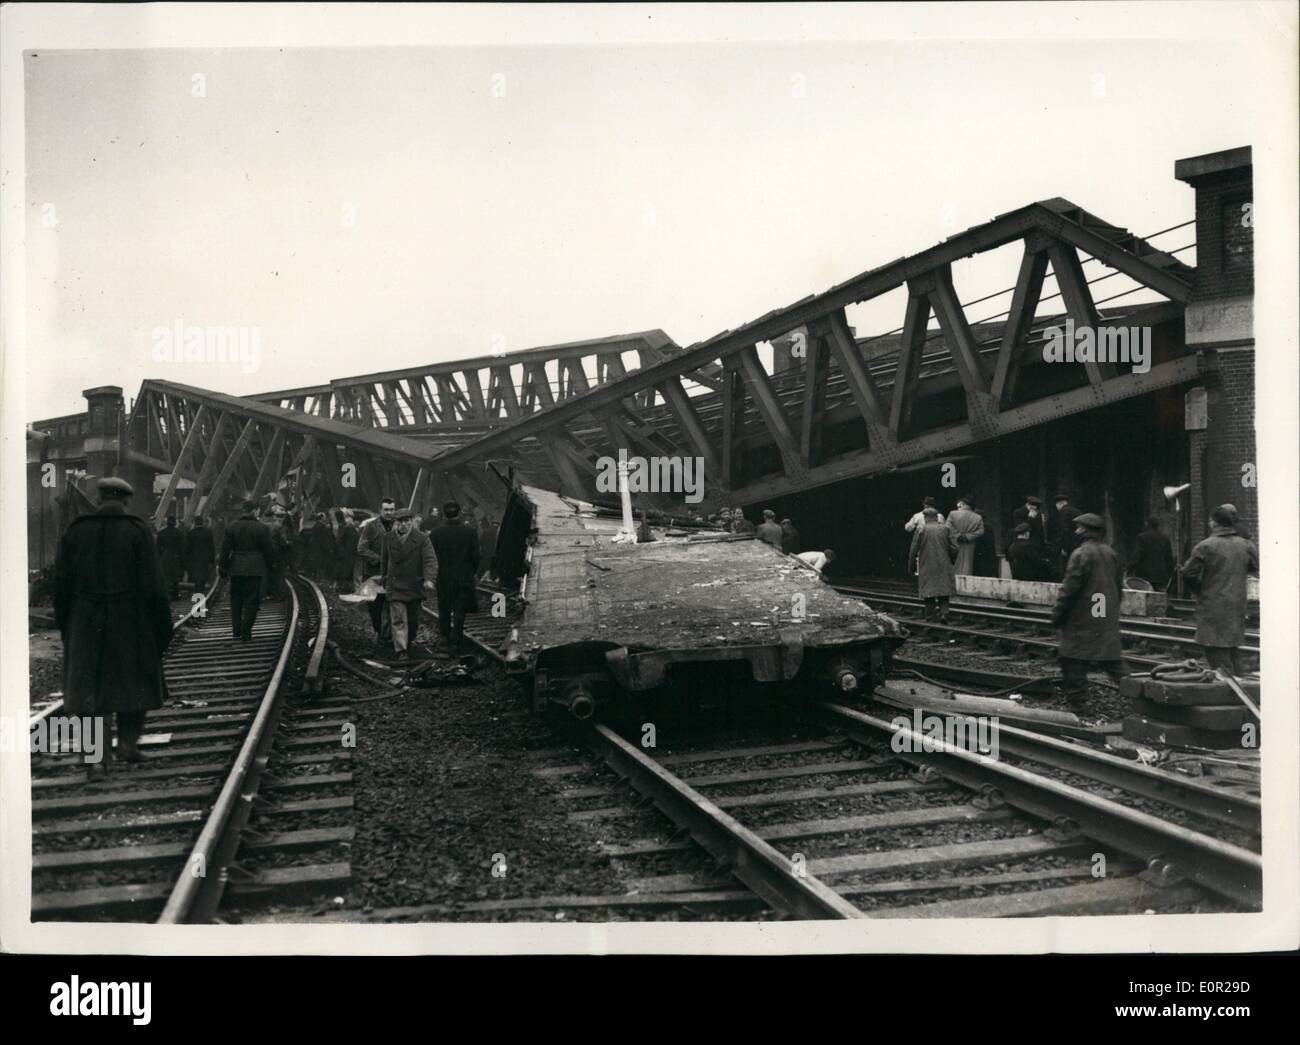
x=603 y=619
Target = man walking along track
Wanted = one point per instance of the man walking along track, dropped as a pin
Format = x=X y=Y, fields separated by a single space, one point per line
x=457 y=549
x=247 y=559
x=371 y=550
x=934 y=548
x=410 y=572
x=1087 y=610
x=111 y=608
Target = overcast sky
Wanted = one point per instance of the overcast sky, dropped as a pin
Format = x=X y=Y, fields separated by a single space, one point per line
x=370 y=209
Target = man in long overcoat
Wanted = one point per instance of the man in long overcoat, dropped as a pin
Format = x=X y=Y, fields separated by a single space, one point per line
x=1220 y=563
x=456 y=546
x=1087 y=610
x=200 y=554
x=248 y=558
x=410 y=571
x=372 y=544
x=967 y=527
x=1027 y=560
x=347 y=544
x=111 y=608
x=934 y=547
x=1060 y=530
x=1153 y=558
x=171 y=553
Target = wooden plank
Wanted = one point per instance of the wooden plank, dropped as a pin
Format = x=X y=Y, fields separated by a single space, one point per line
x=775 y=798
x=865 y=823
x=1127 y=895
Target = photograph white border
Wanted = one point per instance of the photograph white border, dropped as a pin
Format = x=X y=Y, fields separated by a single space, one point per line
x=1269 y=26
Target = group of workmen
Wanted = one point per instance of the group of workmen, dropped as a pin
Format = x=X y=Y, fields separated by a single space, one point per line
x=783 y=535
x=318 y=545
x=1087 y=608
x=112 y=592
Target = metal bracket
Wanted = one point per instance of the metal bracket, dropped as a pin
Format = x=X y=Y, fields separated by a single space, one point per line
x=1063 y=829
x=1162 y=873
x=990 y=797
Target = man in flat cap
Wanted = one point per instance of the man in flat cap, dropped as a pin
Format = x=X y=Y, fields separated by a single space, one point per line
x=1026 y=558
x=248 y=560
x=111 y=608
x=1087 y=610
x=769 y=529
x=918 y=520
x=1032 y=512
x=456 y=546
x=1220 y=564
x=200 y=554
x=934 y=547
x=410 y=571
x=967 y=527
x=789 y=537
x=1060 y=530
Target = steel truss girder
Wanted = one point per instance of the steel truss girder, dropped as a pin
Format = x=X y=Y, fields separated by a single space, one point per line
x=1049 y=232
x=451 y=393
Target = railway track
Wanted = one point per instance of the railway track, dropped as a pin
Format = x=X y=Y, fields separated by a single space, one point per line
x=241 y=759
x=842 y=825
x=1030 y=632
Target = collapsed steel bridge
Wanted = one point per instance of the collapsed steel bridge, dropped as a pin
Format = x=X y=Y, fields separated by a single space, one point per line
x=842 y=407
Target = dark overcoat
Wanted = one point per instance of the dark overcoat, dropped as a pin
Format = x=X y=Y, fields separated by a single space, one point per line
x=111 y=607
x=347 y=551
x=327 y=549
x=1093 y=569
x=1028 y=562
x=171 y=552
x=1060 y=529
x=790 y=540
x=1153 y=559
x=769 y=532
x=410 y=563
x=1221 y=563
x=1037 y=525
x=248 y=550
x=934 y=547
x=456 y=547
x=200 y=552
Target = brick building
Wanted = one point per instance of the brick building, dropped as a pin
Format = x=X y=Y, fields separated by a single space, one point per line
x=1219 y=322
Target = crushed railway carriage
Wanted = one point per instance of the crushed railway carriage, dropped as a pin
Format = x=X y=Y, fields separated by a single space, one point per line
x=601 y=617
